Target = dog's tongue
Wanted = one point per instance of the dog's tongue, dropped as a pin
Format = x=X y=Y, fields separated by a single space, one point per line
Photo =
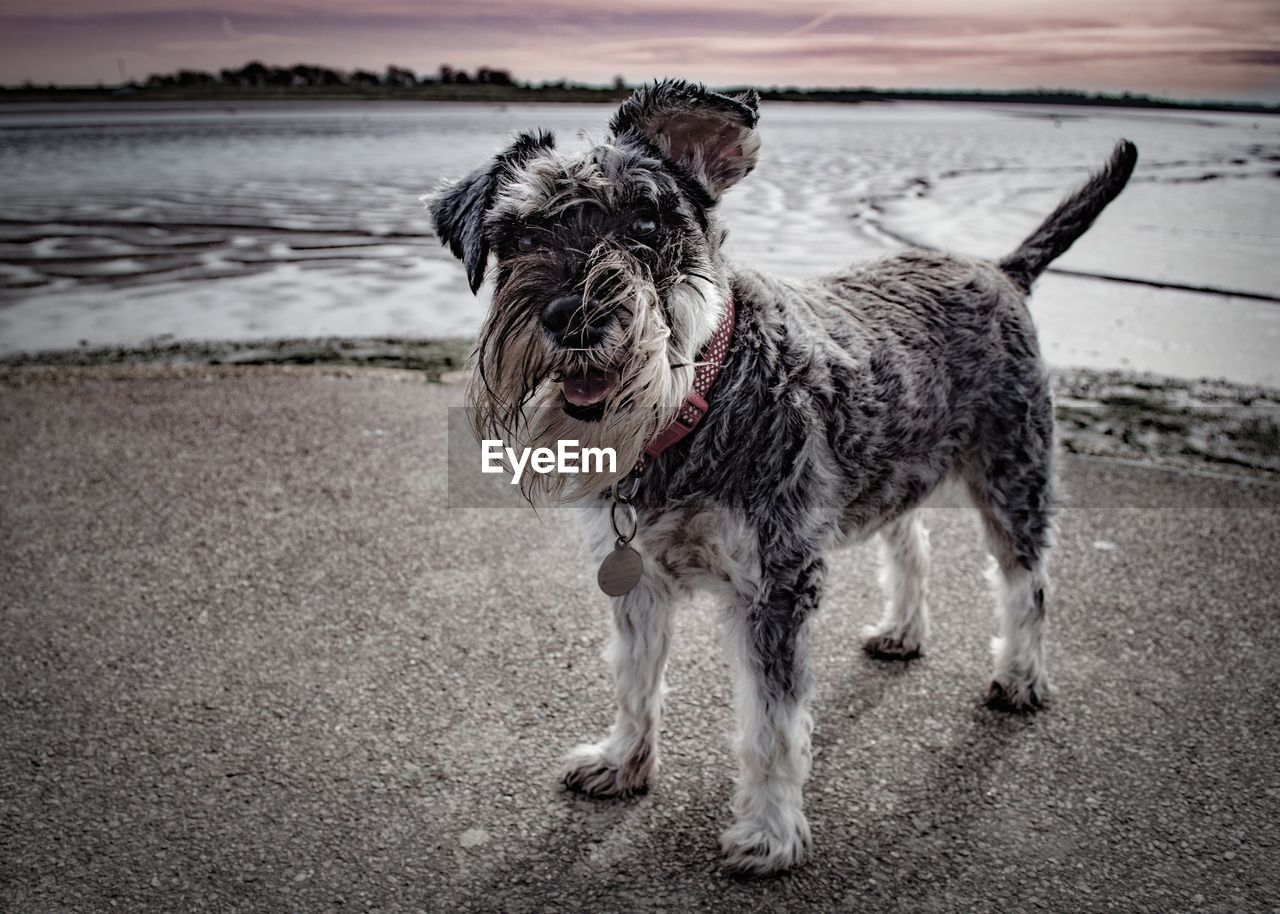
x=589 y=387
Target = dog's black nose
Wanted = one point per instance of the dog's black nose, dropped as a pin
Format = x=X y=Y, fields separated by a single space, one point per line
x=559 y=312
x=574 y=323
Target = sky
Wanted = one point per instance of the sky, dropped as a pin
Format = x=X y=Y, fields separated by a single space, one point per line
x=1207 y=49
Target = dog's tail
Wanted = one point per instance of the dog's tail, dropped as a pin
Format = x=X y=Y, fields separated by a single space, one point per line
x=1071 y=219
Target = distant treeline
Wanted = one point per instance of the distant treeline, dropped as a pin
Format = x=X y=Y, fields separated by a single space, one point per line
x=257 y=75
x=1015 y=96
x=256 y=80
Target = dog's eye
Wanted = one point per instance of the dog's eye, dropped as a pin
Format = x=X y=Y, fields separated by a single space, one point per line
x=643 y=226
x=526 y=243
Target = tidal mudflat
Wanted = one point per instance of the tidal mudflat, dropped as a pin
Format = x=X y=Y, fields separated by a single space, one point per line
x=134 y=224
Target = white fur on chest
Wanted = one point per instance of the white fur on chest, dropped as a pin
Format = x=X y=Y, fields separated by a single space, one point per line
x=693 y=547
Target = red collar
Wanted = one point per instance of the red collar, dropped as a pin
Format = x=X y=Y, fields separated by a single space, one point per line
x=695 y=405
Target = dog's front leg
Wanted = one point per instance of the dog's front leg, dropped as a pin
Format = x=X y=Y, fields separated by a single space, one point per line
x=622 y=762
x=769 y=649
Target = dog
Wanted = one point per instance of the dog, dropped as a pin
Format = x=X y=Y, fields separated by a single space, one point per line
x=838 y=405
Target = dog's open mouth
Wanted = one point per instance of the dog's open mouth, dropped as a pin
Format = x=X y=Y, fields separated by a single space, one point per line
x=584 y=392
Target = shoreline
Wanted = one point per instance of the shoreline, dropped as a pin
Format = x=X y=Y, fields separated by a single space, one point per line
x=574 y=94
x=1205 y=425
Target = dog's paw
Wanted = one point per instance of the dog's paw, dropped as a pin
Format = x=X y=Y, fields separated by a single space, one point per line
x=753 y=849
x=1019 y=695
x=592 y=770
x=890 y=644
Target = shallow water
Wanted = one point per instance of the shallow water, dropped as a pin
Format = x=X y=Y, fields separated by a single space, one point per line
x=125 y=223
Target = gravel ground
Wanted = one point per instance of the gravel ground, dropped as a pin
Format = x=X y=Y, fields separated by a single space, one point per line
x=252 y=661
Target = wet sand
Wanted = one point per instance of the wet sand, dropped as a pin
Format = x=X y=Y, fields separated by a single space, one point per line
x=125 y=224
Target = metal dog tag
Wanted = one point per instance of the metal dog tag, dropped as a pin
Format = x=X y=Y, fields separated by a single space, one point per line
x=620 y=570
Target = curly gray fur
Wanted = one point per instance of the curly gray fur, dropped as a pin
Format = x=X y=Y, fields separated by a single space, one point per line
x=843 y=402
x=1071 y=219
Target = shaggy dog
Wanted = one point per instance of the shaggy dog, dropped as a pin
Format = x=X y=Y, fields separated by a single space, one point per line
x=838 y=405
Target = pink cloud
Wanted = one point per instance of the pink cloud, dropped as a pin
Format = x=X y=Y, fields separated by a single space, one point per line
x=1179 y=46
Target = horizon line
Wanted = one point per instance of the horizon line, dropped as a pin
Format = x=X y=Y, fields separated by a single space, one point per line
x=432 y=77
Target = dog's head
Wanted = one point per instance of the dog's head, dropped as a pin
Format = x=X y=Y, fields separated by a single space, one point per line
x=608 y=279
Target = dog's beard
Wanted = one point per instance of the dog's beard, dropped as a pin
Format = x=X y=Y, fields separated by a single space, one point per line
x=516 y=392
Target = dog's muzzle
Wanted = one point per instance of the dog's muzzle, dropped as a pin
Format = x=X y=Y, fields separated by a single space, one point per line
x=573 y=323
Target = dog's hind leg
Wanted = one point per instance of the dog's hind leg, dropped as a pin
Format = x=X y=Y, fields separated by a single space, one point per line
x=623 y=761
x=768 y=647
x=1020 y=681
x=1013 y=485
x=904 y=568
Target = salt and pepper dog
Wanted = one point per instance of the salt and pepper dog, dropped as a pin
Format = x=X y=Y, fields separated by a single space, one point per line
x=841 y=403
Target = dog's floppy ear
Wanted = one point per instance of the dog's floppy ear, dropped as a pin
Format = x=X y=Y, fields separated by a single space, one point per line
x=458 y=210
x=711 y=136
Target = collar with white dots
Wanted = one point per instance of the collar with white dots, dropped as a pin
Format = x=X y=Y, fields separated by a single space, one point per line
x=695 y=405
